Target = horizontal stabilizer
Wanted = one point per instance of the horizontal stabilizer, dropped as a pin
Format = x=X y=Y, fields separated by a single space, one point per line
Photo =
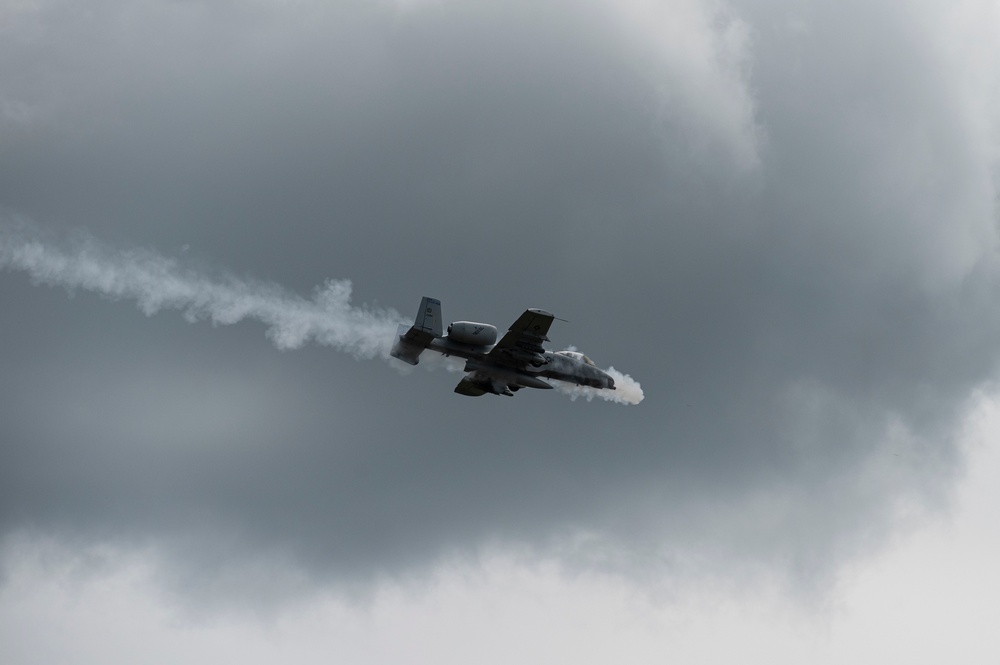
x=404 y=349
x=411 y=342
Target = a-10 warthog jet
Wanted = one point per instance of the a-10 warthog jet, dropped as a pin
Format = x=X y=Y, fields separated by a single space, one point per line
x=502 y=368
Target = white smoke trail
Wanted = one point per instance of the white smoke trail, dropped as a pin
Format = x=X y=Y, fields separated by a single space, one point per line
x=627 y=390
x=156 y=282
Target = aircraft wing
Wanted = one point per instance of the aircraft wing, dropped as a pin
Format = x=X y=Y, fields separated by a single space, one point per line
x=523 y=342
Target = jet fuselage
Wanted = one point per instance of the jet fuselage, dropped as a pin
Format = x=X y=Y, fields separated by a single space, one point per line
x=502 y=367
x=551 y=365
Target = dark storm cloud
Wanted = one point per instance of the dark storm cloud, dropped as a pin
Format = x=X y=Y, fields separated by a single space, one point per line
x=778 y=218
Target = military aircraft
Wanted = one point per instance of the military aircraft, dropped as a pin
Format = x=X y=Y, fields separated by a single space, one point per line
x=501 y=368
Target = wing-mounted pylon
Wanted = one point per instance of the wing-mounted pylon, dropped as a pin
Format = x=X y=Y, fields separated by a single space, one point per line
x=475 y=385
x=478 y=383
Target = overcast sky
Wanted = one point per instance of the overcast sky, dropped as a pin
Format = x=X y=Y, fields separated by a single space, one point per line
x=778 y=217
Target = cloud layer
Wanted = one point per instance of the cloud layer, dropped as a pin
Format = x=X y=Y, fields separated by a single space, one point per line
x=781 y=218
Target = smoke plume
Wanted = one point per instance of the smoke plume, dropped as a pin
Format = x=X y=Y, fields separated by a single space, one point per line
x=627 y=390
x=157 y=282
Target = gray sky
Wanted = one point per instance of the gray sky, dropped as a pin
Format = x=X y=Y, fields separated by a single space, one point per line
x=780 y=218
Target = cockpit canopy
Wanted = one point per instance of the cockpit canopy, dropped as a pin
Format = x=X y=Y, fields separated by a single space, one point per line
x=576 y=355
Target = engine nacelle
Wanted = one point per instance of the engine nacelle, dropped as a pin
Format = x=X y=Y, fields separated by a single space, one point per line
x=475 y=334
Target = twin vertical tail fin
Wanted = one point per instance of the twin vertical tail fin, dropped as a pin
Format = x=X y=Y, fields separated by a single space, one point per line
x=411 y=342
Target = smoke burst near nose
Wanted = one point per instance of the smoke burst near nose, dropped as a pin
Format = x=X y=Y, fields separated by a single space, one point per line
x=627 y=390
x=156 y=282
